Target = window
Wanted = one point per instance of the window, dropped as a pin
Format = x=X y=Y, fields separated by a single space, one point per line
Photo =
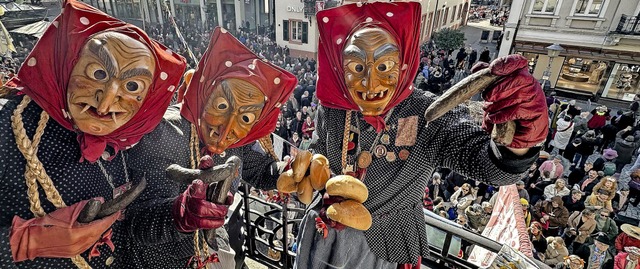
x=544 y=6
x=295 y=31
x=453 y=15
x=460 y=12
x=588 y=7
x=446 y=15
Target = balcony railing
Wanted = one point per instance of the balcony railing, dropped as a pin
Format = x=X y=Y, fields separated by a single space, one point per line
x=258 y=230
x=628 y=25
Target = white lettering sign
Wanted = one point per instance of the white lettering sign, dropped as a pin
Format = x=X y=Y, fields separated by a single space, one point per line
x=295 y=9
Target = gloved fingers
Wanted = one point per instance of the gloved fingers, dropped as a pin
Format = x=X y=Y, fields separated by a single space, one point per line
x=516 y=112
x=205 y=223
x=479 y=66
x=510 y=86
x=508 y=64
x=197 y=190
x=206 y=162
x=203 y=208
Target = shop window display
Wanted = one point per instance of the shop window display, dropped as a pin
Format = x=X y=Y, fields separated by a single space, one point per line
x=580 y=74
x=624 y=82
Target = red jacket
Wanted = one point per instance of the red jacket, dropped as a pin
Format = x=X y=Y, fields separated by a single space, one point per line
x=623 y=240
x=621 y=261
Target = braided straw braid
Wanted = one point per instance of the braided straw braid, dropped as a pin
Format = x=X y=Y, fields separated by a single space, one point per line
x=267 y=145
x=34 y=169
x=345 y=138
x=194 y=148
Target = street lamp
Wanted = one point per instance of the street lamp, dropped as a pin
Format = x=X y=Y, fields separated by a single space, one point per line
x=552 y=51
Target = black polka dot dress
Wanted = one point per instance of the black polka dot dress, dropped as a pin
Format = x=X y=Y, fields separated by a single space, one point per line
x=404 y=157
x=154 y=242
x=59 y=153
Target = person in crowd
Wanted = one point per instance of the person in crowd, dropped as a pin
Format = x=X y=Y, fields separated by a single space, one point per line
x=308 y=127
x=599 y=117
x=571 y=262
x=485 y=55
x=608 y=156
x=605 y=225
x=427 y=203
x=598 y=255
x=479 y=215
x=562 y=136
x=627 y=259
x=609 y=132
x=538 y=240
x=599 y=200
x=571 y=149
x=552 y=214
x=574 y=201
x=536 y=190
x=627 y=119
x=607 y=183
x=578 y=174
x=586 y=148
x=436 y=185
x=625 y=149
x=634 y=188
x=526 y=211
x=621 y=199
x=558 y=189
x=454 y=181
x=463 y=197
x=532 y=175
x=473 y=57
x=581 y=225
x=295 y=140
x=554 y=167
x=522 y=192
x=630 y=237
x=296 y=124
x=586 y=185
x=556 y=251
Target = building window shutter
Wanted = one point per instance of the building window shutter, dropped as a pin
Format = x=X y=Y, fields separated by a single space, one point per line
x=305 y=32
x=285 y=30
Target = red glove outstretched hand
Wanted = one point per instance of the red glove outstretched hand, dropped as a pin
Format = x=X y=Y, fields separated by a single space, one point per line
x=517 y=97
x=192 y=211
x=58 y=234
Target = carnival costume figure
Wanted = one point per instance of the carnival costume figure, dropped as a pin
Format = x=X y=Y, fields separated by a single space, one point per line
x=89 y=90
x=232 y=100
x=371 y=126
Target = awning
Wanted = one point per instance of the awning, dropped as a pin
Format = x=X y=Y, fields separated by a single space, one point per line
x=35 y=29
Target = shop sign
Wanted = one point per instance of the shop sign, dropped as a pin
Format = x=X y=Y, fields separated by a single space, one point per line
x=295 y=9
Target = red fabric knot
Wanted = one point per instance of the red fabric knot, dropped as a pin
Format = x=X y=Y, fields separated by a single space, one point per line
x=213 y=258
x=106 y=239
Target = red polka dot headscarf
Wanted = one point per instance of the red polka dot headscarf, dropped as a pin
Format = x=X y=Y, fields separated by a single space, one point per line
x=45 y=74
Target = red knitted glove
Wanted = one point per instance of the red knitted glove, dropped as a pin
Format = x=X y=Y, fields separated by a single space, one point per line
x=57 y=234
x=518 y=97
x=192 y=211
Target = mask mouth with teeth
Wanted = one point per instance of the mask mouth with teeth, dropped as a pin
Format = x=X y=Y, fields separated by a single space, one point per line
x=371 y=68
x=109 y=82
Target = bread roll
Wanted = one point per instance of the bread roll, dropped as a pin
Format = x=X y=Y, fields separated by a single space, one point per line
x=300 y=164
x=305 y=191
x=319 y=171
x=285 y=183
x=350 y=213
x=348 y=187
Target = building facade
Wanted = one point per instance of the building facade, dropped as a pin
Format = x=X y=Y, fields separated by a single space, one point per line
x=601 y=38
x=295 y=21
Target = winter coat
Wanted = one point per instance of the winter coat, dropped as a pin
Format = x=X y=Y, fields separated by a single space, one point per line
x=562 y=137
x=621 y=261
x=551 y=191
x=588 y=145
x=548 y=166
x=554 y=256
x=558 y=216
x=624 y=148
x=598 y=120
x=584 y=231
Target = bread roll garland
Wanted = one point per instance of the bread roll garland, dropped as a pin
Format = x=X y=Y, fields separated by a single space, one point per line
x=308 y=173
x=349 y=212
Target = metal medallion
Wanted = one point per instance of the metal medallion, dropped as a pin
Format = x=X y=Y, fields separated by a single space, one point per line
x=403 y=154
x=385 y=139
x=110 y=261
x=364 y=159
x=380 y=151
x=391 y=156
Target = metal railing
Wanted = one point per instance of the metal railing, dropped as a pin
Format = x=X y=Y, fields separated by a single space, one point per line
x=628 y=25
x=263 y=235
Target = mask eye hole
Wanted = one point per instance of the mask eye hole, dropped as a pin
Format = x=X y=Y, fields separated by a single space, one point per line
x=356 y=67
x=99 y=74
x=221 y=104
x=132 y=86
x=248 y=118
x=385 y=66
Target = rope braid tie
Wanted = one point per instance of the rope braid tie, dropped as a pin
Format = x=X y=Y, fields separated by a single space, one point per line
x=34 y=171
